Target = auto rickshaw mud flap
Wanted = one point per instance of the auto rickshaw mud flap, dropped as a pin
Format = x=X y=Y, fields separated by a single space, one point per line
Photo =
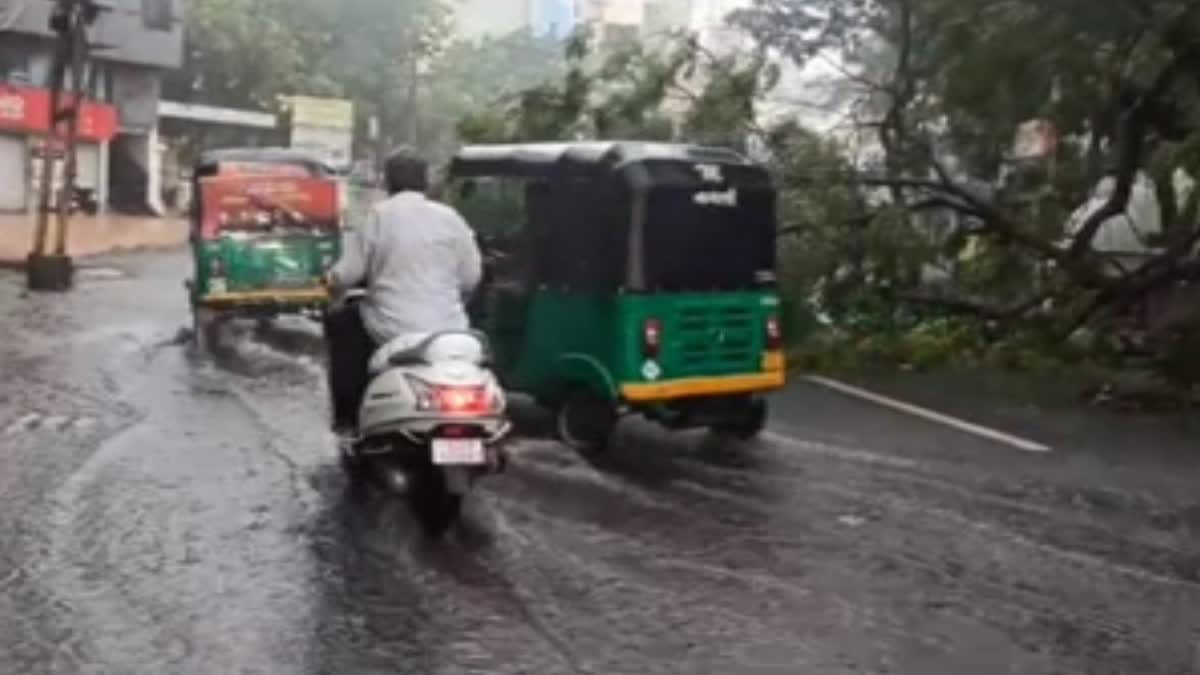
x=747 y=424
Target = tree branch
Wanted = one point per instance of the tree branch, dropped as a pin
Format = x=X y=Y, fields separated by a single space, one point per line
x=1135 y=126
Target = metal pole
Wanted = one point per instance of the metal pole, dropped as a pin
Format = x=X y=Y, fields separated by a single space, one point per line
x=57 y=75
x=66 y=195
x=414 y=122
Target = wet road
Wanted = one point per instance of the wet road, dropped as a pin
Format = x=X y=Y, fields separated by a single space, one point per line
x=162 y=513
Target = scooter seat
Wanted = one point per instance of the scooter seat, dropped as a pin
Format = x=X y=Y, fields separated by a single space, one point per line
x=409 y=350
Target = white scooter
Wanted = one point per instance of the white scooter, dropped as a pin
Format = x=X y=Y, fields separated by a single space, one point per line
x=431 y=422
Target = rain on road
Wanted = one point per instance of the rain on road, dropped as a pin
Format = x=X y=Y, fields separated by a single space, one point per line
x=167 y=513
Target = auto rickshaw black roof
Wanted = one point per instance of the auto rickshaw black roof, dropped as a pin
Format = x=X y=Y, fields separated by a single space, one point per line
x=211 y=159
x=634 y=215
x=547 y=161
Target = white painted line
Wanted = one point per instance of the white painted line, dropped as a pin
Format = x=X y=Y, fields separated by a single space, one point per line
x=840 y=452
x=24 y=424
x=930 y=415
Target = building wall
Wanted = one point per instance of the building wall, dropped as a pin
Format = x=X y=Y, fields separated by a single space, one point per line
x=553 y=18
x=14 y=172
x=665 y=16
x=477 y=19
x=141 y=32
x=132 y=44
x=135 y=92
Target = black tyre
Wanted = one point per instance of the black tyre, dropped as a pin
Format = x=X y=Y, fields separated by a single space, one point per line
x=585 y=421
x=352 y=463
x=747 y=424
x=434 y=506
x=203 y=321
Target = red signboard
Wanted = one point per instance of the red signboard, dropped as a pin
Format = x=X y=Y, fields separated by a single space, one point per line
x=257 y=203
x=28 y=110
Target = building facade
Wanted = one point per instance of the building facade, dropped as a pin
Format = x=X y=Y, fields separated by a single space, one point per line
x=478 y=19
x=133 y=42
x=665 y=17
x=553 y=18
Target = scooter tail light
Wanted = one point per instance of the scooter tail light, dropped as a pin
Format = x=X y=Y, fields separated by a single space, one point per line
x=450 y=399
x=464 y=400
x=423 y=392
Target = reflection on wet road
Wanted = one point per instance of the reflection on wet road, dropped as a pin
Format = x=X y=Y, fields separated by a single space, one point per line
x=162 y=512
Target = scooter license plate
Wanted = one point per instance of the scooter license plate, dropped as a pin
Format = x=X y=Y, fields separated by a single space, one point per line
x=458 y=452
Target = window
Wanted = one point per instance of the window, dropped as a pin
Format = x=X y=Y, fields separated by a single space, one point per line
x=158 y=14
x=14 y=66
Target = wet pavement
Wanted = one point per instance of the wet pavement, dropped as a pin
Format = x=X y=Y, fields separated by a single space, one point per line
x=166 y=512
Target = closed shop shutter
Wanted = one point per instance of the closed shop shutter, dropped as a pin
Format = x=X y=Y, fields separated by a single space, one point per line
x=87 y=170
x=14 y=182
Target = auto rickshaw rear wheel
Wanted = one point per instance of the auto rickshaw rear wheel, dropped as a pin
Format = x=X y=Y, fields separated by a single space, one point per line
x=747 y=423
x=585 y=421
x=203 y=320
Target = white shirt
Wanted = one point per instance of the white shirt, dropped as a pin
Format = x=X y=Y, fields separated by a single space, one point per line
x=418 y=260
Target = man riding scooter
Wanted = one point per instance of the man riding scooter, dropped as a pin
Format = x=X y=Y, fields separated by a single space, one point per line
x=416 y=261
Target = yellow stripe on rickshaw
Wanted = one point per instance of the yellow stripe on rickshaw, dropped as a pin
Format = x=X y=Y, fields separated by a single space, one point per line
x=702 y=386
x=305 y=295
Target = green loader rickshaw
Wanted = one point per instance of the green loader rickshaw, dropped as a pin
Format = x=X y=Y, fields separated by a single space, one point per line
x=642 y=279
x=265 y=225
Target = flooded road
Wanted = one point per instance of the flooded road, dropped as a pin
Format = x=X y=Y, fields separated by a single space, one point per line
x=167 y=512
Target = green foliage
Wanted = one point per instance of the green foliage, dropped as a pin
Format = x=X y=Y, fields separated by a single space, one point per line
x=937 y=89
x=633 y=92
x=243 y=53
x=394 y=58
x=940 y=87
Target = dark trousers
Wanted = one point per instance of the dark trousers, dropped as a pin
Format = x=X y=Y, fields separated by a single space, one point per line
x=350 y=349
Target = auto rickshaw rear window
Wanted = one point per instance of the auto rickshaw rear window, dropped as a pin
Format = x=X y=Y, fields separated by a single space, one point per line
x=724 y=242
x=581 y=230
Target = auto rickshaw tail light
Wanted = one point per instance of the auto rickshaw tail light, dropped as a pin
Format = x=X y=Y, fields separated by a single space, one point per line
x=651 y=338
x=774 y=334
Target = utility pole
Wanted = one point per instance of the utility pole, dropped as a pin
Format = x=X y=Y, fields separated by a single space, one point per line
x=46 y=269
x=414 y=113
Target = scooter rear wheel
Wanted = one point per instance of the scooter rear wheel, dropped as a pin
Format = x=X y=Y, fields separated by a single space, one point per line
x=435 y=507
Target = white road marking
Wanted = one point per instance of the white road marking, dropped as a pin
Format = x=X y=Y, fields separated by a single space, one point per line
x=58 y=423
x=930 y=415
x=840 y=452
x=24 y=424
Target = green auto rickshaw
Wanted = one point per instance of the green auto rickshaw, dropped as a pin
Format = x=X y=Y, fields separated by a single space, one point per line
x=265 y=226
x=627 y=277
